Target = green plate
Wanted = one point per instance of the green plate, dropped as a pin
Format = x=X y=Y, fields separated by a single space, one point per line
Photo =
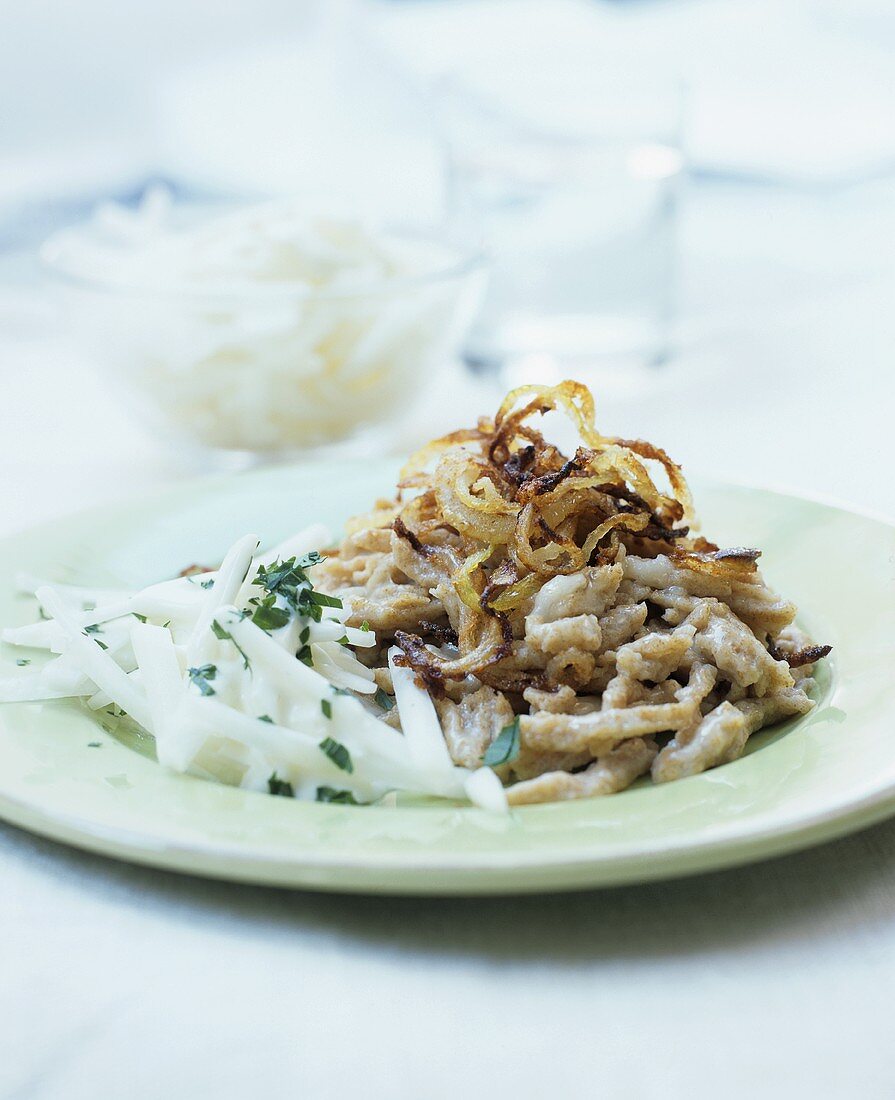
x=803 y=782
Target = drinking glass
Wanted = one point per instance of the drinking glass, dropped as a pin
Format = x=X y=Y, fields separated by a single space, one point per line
x=570 y=175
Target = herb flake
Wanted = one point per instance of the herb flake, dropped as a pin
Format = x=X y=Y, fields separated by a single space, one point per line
x=280 y=786
x=201 y=677
x=505 y=747
x=337 y=752
x=223 y=635
x=383 y=699
x=331 y=794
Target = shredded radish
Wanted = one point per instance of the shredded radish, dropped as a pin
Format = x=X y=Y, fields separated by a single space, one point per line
x=247 y=675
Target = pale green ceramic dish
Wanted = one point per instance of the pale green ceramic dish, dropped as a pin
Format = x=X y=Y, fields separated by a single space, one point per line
x=801 y=783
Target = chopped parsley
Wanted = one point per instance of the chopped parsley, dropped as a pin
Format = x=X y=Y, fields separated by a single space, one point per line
x=22 y=661
x=94 y=744
x=505 y=747
x=365 y=626
x=383 y=699
x=280 y=786
x=288 y=581
x=327 y=708
x=265 y=718
x=337 y=752
x=201 y=677
x=92 y=631
x=320 y=599
x=268 y=616
x=331 y=794
x=191 y=577
x=304 y=654
x=142 y=618
x=224 y=635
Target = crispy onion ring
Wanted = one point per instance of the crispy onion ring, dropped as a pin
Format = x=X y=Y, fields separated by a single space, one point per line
x=497 y=510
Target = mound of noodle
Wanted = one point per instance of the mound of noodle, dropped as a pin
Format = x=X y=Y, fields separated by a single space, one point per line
x=571 y=592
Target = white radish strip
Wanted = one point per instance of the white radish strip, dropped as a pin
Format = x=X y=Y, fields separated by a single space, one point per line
x=419 y=721
x=327 y=630
x=341 y=668
x=101 y=700
x=46 y=635
x=26 y=582
x=302 y=542
x=296 y=546
x=284 y=748
x=34 y=688
x=333 y=630
x=42 y=635
x=485 y=790
x=304 y=685
x=95 y=663
x=227 y=583
x=165 y=690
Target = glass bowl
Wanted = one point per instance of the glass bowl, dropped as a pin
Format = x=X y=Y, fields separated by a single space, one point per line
x=270 y=368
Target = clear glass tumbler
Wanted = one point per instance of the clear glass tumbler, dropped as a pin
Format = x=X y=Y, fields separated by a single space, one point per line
x=570 y=175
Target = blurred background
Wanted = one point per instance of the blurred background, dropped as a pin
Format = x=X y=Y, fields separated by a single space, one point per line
x=689 y=204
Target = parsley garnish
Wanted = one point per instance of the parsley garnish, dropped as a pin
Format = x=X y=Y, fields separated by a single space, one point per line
x=383 y=699
x=365 y=626
x=268 y=616
x=304 y=654
x=224 y=635
x=142 y=618
x=280 y=786
x=100 y=643
x=201 y=676
x=22 y=661
x=320 y=599
x=331 y=794
x=94 y=744
x=94 y=628
x=337 y=752
x=288 y=581
x=327 y=708
x=505 y=747
x=265 y=718
x=206 y=584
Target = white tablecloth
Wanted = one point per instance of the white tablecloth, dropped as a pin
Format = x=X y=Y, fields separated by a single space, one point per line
x=767 y=981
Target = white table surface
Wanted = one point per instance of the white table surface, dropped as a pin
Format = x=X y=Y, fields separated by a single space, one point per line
x=769 y=981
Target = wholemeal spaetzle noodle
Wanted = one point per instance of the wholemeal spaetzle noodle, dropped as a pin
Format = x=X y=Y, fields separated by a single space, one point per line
x=565 y=597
